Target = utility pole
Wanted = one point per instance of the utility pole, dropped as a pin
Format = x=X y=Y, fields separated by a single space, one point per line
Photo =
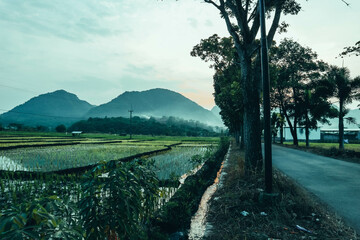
x=131 y=111
x=266 y=99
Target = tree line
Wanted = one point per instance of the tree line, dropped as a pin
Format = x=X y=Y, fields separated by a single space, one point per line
x=237 y=69
x=170 y=126
x=302 y=87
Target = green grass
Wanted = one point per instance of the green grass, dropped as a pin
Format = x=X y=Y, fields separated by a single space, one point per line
x=57 y=157
x=19 y=134
x=65 y=157
x=354 y=147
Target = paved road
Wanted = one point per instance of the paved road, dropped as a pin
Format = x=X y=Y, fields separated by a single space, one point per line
x=335 y=182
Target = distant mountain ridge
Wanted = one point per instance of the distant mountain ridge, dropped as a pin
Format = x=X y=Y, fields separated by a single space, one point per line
x=62 y=107
x=156 y=102
x=49 y=109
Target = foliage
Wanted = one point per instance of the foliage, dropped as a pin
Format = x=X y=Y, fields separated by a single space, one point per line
x=176 y=214
x=112 y=206
x=297 y=89
x=243 y=23
x=44 y=218
x=112 y=201
x=60 y=128
x=351 y=50
x=339 y=84
x=170 y=126
x=228 y=93
x=119 y=204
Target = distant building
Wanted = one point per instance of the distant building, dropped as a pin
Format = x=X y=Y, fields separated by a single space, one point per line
x=322 y=135
x=314 y=134
x=76 y=133
x=332 y=135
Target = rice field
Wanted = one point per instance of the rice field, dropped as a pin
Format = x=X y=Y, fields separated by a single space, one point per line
x=47 y=159
x=68 y=199
x=178 y=161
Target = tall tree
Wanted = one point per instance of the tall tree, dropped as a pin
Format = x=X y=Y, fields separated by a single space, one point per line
x=345 y=90
x=227 y=87
x=243 y=23
x=315 y=107
x=297 y=68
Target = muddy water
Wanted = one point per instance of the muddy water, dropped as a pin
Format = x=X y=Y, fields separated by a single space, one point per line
x=198 y=226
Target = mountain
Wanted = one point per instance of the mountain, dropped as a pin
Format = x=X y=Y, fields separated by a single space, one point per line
x=216 y=111
x=50 y=109
x=156 y=103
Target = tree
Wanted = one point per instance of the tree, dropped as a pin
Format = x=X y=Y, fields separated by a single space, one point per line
x=316 y=107
x=277 y=122
x=351 y=50
x=345 y=90
x=298 y=72
x=243 y=23
x=228 y=93
x=61 y=128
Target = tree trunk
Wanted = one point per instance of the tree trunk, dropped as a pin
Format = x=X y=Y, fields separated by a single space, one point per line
x=252 y=129
x=341 y=126
x=281 y=128
x=295 y=138
x=242 y=136
x=307 y=131
x=237 y=135
x=292 y=129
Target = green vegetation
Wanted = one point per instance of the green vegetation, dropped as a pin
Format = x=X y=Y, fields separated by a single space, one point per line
x=176 y=214
x=353 y=147
x=66 y=157
x=178 y=161
x=164 y=126
x=114 y=200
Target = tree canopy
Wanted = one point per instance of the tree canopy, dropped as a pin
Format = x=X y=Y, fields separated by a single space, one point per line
x=242 y=19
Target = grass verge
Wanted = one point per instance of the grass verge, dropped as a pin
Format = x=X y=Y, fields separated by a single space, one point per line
x=350 y=154
x=294 y=206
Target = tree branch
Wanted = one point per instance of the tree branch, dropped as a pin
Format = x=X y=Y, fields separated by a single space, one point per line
x=240 y=16
x=230 y=28
x=274 y=25
x=213 y=3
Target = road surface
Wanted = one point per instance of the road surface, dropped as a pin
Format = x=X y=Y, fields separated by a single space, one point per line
x=335 y=182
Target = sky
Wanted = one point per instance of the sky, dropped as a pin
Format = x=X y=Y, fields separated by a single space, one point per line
x=98 y=49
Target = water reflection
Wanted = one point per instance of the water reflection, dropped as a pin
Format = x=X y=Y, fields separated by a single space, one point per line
x=11 y=165
x=198 y=225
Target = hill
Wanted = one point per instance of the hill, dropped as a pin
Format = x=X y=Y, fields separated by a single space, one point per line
x=155 y=103
x=50 y=109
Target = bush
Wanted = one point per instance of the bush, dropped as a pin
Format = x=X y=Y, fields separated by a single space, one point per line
x=61 y=128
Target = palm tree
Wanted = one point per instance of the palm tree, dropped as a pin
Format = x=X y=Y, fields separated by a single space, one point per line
x=345 y=90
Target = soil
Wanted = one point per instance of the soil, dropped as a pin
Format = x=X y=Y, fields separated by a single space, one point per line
x=237 y=212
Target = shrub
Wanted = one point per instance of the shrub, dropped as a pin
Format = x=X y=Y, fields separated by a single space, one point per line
x=61 y=128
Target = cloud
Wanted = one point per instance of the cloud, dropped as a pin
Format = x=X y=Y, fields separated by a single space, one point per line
x=99 y=48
